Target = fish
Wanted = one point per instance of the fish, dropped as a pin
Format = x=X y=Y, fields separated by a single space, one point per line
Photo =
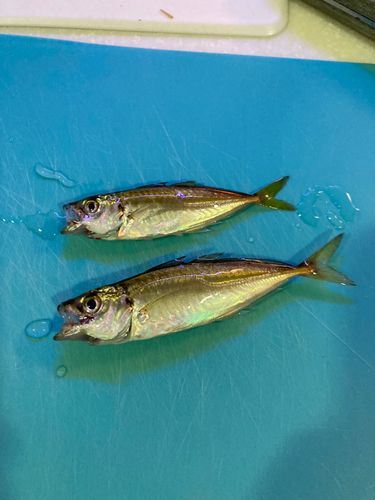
x=179 y=295
x=158 y=210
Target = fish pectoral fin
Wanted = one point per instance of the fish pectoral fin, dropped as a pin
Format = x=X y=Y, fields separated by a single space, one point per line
x=124 y=227
x=143 y=315
x=121 y=232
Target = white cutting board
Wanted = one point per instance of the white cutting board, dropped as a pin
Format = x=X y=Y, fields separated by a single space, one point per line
x=199 y=17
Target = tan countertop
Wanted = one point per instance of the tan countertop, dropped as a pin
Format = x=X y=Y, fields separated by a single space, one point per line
x=309 y=34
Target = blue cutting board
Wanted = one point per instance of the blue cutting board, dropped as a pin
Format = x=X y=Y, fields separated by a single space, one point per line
x=277 y=404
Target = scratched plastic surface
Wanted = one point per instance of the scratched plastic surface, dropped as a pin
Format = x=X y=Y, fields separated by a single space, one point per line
x=275 y=404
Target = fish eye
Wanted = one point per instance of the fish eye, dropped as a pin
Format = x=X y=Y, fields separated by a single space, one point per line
x=92 y=304
x=92 y=206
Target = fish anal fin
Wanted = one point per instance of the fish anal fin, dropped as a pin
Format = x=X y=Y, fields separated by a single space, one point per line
x=243 y=312
x=200 y=230
x=233 y=314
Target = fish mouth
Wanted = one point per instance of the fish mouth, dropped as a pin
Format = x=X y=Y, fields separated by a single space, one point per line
x=71 y=331
x=74 y=221
x=74 y=326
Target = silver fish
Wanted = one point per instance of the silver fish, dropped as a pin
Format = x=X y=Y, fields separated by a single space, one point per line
x=161 y=210
x=178 y=295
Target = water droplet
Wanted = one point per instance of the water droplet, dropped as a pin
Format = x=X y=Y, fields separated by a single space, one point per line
x=47 y=173
x=11 y=139
x=305 y=209
x=46 y=225
x=298 y=224
x=251 y=240
x=332 y=206
x=39 y=329
x=61 y=371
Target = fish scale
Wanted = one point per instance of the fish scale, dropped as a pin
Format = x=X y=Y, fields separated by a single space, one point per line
x=160 y=210
x=177 y=295
x=198 y=294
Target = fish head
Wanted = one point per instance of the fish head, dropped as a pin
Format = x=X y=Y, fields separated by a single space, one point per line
x=101 y=316
x=98 y=216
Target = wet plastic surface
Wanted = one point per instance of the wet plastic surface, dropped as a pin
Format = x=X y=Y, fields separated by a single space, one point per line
x=275 y=404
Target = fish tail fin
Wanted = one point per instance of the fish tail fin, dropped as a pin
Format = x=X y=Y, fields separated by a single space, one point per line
x=267 y=196
x=315 y=266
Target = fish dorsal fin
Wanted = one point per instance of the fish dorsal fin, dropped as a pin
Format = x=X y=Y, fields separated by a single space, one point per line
x=269 y=261
x=215 y=256
x=170 y=263
x=208 y=258
x=188 y=184
x=266 y=261
x=156 y=184
x=177 y=184
x=185 y=183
